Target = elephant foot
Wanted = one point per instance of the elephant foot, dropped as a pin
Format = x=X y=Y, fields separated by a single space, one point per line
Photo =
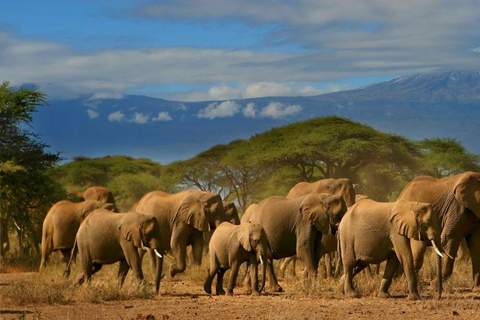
x=220 y=292
x=275 y=288
x=255 y=293
x=341 y=285
x=351 y=294
x=229 y=293
x=249 y=291
x=383 y=295
x=413 y=296
x=207 y=288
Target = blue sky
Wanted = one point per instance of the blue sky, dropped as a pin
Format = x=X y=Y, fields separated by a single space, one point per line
x=214 y=50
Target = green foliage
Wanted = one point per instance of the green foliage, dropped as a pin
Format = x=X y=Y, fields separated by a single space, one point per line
x=127 y=178
x=444 y=157
x=27 y=188
x=331 y=147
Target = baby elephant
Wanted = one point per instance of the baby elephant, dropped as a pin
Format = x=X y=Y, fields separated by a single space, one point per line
x=372 y=232
x=230 y=246
x=106 y=237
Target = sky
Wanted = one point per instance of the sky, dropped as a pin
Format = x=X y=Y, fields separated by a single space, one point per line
x=197 y=50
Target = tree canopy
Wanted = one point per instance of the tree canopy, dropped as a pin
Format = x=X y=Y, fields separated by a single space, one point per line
x=27 y=188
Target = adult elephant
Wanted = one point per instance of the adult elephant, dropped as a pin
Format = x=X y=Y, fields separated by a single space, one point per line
x=61 y=225
x=183 y=218
x=101 y=194
x=296 y=226
x=343 y=187
x=106 y=238
x=456 y=202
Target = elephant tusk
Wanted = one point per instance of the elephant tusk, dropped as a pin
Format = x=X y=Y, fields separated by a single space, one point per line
x=157 y=253
x=261 y=260
x=449 y=255
x=436 y=249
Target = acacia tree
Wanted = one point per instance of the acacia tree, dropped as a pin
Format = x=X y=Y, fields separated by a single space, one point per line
x=444 y=157
x=332 y=147
x=27 y=189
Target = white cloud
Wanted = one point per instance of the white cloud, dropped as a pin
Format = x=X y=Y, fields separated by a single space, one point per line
x=139 y=118
x=223 y=92
x=266 y=89
x=92 y=114
x=117 y=116
x=106 y=95
x=163 y=116
x=476 y=50
x=219 y=110
x=278 y=110
x=250 y=111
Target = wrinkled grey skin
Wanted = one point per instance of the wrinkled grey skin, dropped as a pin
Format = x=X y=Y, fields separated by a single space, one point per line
x=61 y=225
x=456 y=203
x=183 y=218
x=343 y=187
x=230 y=246
x=372 y=232
x=296 y=226
x=106 y=238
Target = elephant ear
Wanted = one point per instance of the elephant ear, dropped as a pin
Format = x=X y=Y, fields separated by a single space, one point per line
x=192 y=211
x=467 y=192
x=132 y=232
x=88 y=207
x=243 y=236
x=405 y=220
x=314 y=211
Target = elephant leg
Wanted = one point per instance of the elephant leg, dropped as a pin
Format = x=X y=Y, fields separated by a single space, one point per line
x=328 y=265
x=247 y=283
x=197 y=248
x=122 y=271
x=95 y=268
x=390 y=269
x=473 y=243
x=272 y=280
x=254 y=277
x=404 y=254
x=348 y=275
x=338 y=265
x=233 y=277
x=47 y=249
x=418 y=251
x=66 y=253
x=133 y=259
x=219 y=288
x=179 y=250
x=212 y=272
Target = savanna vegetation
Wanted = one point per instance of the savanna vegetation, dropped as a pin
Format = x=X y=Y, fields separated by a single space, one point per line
x=244 y=171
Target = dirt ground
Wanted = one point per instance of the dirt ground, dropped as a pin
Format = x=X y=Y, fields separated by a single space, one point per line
x=182 y=299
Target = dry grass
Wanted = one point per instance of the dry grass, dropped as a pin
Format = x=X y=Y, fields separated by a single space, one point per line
x=48 y=286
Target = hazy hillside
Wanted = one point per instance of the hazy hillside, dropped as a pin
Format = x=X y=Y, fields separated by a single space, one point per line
x=421 y=106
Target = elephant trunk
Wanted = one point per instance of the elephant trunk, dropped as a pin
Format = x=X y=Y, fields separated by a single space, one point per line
x=439 y=278
x=264 y=261
x=434 y=238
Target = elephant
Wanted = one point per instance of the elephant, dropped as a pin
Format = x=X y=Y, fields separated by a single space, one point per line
x=456 y=202
x=99 y=194
x=372 y=232
x=296 y=226
x=105 y=238
x=183 y=218
x=231 y=212
x=343 y=187
x=61 y=225
x=230 y=246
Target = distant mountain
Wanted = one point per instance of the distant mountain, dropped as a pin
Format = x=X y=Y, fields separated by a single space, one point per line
x=457 y=87
x=420 y=106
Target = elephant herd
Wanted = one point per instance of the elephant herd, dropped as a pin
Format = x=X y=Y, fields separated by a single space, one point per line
x=312 y=220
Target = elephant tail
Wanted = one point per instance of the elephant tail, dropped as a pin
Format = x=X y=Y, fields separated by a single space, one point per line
x=66 y=274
